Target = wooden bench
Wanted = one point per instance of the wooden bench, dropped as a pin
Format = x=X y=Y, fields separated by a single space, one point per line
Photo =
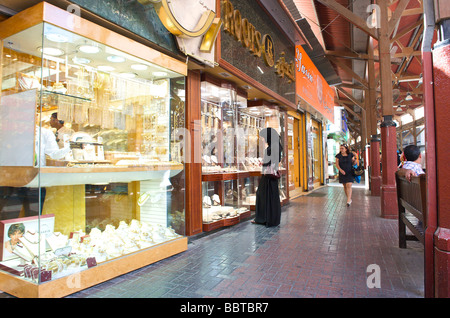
x=412 y=202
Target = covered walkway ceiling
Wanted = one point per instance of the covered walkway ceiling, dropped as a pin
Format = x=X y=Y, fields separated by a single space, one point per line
x=346 y=45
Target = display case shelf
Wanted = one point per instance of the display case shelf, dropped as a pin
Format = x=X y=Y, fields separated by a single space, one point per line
x=224 y=176
x=46 y=92
x=72 y=176
x=207 y=227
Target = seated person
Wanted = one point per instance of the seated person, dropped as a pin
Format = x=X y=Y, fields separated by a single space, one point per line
x=412 y=166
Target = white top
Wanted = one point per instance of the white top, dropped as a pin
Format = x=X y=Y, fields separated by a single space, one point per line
x=49 y=146
x=64 y=131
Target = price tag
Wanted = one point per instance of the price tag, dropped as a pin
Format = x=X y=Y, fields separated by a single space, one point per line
x=46 y=276
x=91 y=262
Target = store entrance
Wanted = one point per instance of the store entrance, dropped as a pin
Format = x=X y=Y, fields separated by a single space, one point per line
x=317 y=169
x=294 y=156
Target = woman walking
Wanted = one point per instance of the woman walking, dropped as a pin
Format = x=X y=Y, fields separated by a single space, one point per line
x=345 y=159
x=268 y=206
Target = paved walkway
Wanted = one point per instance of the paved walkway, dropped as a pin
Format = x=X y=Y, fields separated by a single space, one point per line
x=321 y=249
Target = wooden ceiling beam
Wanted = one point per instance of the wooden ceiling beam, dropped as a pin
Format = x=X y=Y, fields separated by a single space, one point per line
x=396 y=16
x=413 y=11
x=352 y=86
x=406 y=30
x=351 y=17
x=347 y=55
x=349 y=71
x=350 y=97
x=407 y=78
x=344 y=104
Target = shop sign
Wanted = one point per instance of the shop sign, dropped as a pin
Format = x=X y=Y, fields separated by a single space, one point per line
x=311 y=86
x=257 y=44
x=193 y=23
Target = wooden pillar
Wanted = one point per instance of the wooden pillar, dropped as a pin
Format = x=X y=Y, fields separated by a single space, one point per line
x=441 y=72
x=375 y=177
x=388 y=132
x=389 y=208
x=365 y=123
x=193 y=169
x=375 y=172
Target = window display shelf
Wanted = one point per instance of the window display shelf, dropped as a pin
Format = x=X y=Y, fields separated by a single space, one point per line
x=224 y=176
x=72 y=176
x=46 y=92
x=229 y=221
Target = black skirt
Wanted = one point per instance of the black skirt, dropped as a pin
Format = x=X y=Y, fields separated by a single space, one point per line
x=268 y=206
x=348 y=177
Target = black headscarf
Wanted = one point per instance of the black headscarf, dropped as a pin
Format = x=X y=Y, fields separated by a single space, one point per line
x=273 y=139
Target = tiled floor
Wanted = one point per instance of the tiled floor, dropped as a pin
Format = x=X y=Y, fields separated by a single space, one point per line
x=321 y=249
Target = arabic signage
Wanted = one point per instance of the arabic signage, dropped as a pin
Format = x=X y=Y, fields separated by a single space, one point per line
x=311 y=87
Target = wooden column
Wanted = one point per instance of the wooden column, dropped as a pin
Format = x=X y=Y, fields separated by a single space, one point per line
x=375 y=177
x=193 y=169
x=388 y=132
x=375 y=171
x=441 y=80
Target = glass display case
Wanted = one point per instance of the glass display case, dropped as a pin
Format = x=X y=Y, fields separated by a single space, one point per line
x=91 y=172
x=223 y=145
x=218 y=120
x=252 y=120
x=221 y=203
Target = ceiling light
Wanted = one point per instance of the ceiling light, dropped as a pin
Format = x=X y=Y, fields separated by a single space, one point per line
x=56 y=37
x=51 y=51
x=159 y=74
x=91 y=49
x=81 y=60
x=128 y=75
x=106 y=68
x=115 y=59
x=139 y=67
x=408 y=96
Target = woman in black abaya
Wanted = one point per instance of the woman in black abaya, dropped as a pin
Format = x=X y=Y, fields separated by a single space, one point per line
x=268 y=206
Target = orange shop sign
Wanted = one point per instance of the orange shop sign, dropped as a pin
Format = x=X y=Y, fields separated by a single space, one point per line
x=311 y=86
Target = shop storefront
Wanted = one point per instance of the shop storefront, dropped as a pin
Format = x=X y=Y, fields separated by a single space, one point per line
x=237 y=85
x=296 y=153
x=231 y=116
x=316 y=97
x=92 y=178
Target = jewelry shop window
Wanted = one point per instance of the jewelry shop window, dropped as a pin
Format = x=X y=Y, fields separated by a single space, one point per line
x=87 y=137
